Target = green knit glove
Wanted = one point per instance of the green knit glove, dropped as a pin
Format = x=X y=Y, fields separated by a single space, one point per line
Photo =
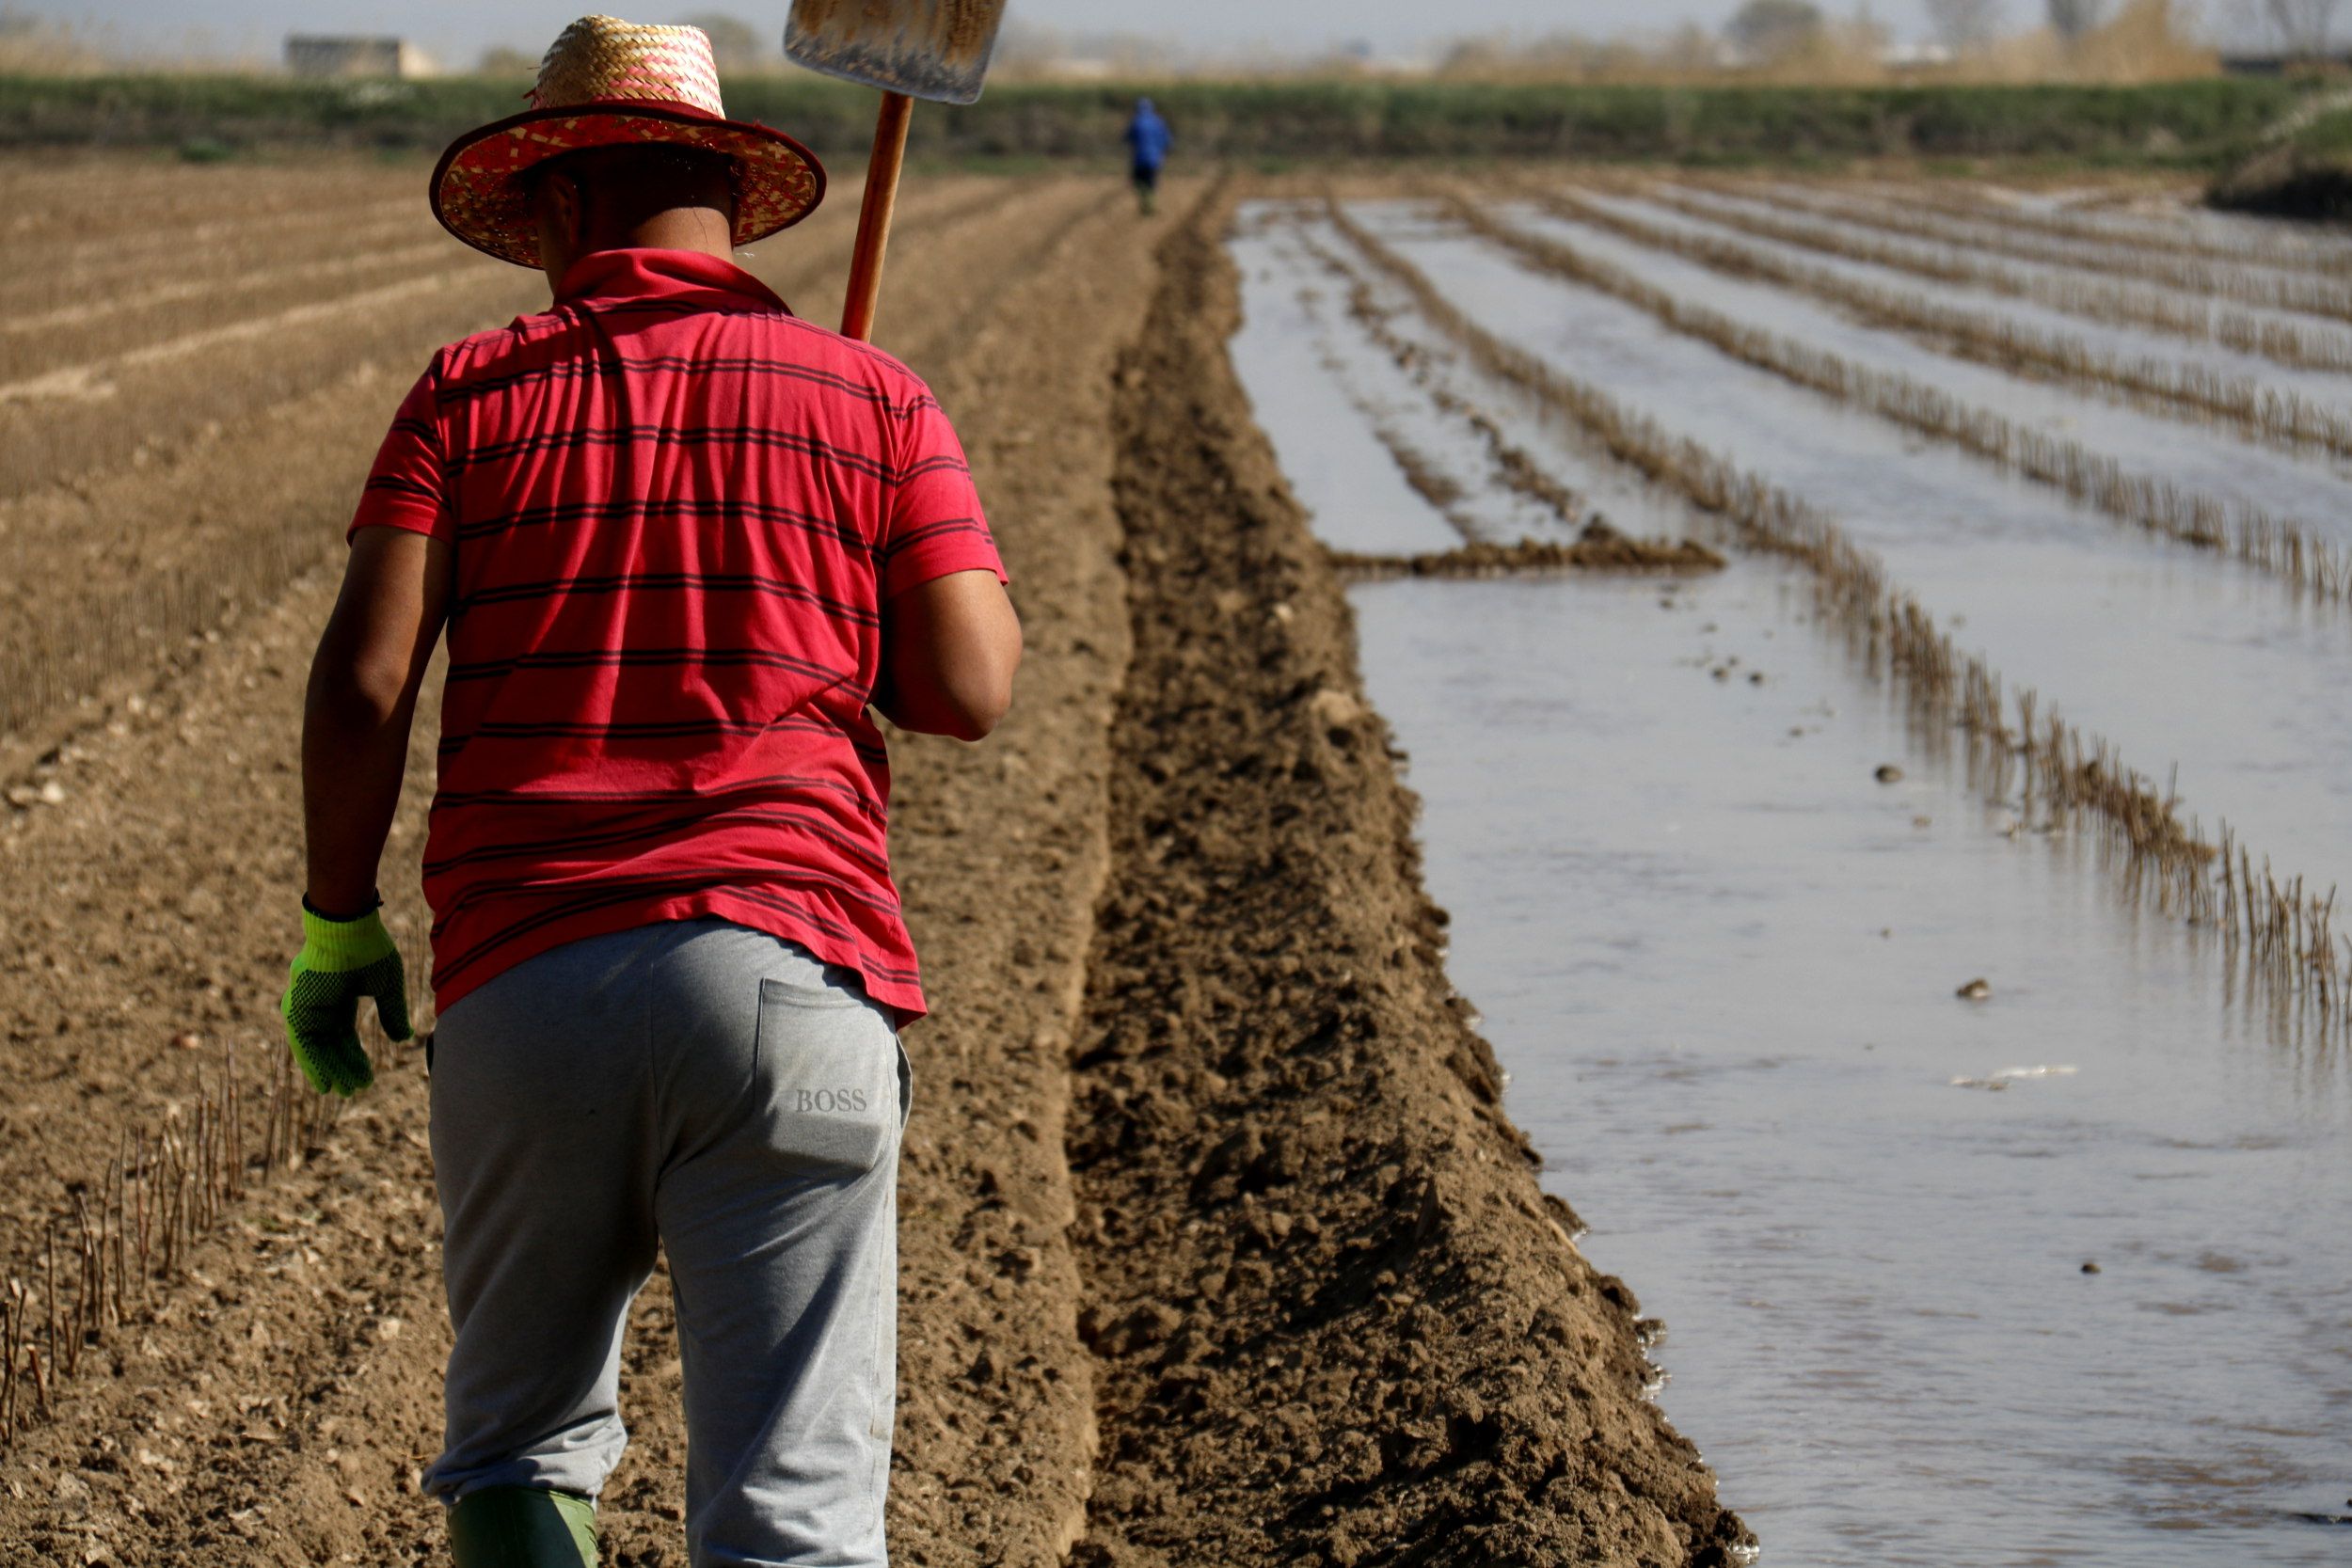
x=341 y=962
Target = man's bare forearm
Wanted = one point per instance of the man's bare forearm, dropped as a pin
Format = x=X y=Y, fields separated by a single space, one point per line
x=362 y=701
x=354 y=755
x=930 y=713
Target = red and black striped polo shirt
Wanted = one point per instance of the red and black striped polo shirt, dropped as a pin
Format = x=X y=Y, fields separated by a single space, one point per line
x=676 y=511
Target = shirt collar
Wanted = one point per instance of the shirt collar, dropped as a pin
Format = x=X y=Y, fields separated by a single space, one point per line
x=687 y=276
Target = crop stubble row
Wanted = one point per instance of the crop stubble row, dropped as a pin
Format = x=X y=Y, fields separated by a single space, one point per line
x=2281 y=934
x=2098 y=232
x=2315 y=346
x=92 y=1271
x=2281 y=546
x=2327 y=298
x=1510 y=467
x=2181 y=390
x=1433 y=482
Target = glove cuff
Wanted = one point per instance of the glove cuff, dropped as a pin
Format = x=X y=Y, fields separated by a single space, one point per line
x=332 y=946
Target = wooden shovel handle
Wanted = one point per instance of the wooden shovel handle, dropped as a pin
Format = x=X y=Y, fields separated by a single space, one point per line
x=873 y=216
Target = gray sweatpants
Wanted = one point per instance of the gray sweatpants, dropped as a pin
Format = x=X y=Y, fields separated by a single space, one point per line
x=720 y=1093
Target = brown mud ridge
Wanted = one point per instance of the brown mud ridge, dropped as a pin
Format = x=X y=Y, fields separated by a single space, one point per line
x=1336 y=1320
x=1599 y=548
x=1300 y=1298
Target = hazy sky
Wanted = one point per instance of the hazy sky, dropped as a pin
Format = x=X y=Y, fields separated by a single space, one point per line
x=456 y=31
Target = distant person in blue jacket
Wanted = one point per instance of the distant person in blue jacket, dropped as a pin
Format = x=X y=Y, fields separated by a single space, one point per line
x=1147 y=141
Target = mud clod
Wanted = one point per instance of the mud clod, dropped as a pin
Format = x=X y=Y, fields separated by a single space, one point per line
x=1598 y=547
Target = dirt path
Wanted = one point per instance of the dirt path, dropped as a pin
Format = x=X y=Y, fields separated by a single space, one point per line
x=1000 y=850
x=144 y=904
x=1303 y=1302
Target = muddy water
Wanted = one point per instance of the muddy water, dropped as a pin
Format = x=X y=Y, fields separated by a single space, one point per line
x=1358 y=471
x=2164 y=215
x=1320 y=412
x=2175 y=656
x=1718 y=958
x=2205 y=458
x=2009 y=262
x=2124 y=344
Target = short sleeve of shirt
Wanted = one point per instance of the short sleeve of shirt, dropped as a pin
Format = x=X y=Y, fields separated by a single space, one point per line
x=936 y=525
x=408 y=487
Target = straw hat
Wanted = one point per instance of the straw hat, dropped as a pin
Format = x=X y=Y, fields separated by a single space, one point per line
x=608 y=83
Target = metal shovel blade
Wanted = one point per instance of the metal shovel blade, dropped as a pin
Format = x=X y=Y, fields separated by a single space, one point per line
x=934 y=49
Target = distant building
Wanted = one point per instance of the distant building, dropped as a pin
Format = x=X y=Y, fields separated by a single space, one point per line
x=1915 y=56
x=316 y=56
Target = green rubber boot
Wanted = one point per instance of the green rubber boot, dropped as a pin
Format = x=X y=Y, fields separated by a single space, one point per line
x=523 y=1527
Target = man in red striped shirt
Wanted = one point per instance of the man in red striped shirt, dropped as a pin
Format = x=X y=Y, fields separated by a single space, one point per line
x=680 y=542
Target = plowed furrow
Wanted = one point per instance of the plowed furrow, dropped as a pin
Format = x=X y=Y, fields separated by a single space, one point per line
x=61 y=272
x=189 y=808
x=74 y=418
x=64 y=207
x=110 y=576
x=117 y=321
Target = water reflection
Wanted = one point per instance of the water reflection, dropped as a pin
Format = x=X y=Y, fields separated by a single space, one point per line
x=1933 y=1299
x=1719 y=959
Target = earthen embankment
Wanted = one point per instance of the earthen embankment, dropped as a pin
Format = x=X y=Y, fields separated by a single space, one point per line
x=1335 y=1320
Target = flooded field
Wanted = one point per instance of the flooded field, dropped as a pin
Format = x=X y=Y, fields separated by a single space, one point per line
x=2053 y=1272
